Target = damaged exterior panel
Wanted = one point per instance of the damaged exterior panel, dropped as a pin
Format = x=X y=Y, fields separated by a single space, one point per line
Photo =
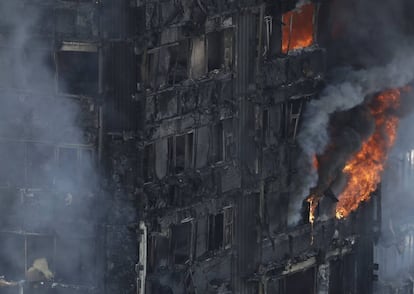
x=189 y=110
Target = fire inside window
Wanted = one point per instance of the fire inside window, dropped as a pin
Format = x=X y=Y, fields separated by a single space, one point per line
x=298 y=28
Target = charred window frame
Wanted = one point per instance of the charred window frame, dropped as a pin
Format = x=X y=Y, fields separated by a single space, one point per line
x=198 y=66
x=74 y=164
x=292 y=114
x=265 y=126
x=81 y=252
x=181 y=152
x=149 y=163
x=37 y=165
x=296 y=25
x=31 y=257
x=182 y=242
x=77 y=69
x=219 y=47
x=167 y=65
x=219 y=142
x=179 y=59
x=228 y=227
x=220 y=229
x=215 y=232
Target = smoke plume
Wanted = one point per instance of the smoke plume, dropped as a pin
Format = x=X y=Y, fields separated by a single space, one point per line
x=47 y=176
x=370 y=53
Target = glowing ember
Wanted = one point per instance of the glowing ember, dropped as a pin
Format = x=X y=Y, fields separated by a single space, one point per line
x=313 y=204
x=315 y=162
x=297 y=31
x=365 y=168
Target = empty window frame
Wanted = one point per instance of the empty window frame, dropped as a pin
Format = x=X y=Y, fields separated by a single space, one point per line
x=77 y=72
x=180 y=152
x=220 y=49
x=298 y=28
x=149 y=163
x=181 y=242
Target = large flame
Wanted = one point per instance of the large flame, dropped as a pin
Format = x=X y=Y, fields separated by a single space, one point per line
x=297 y=31
x=364 y=169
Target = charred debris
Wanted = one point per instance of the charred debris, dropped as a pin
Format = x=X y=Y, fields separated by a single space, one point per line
x=150 y=146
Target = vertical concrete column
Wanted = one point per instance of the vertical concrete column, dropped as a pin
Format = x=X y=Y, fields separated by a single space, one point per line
x=322 y=279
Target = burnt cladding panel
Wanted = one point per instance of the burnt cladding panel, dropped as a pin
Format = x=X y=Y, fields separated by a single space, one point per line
x=246 y=240
x=246 y=37
x=122 y=111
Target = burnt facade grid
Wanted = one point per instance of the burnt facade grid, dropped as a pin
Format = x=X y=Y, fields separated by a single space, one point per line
x=190 y=112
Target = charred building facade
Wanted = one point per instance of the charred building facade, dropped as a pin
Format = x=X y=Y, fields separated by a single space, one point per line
x=153 y=147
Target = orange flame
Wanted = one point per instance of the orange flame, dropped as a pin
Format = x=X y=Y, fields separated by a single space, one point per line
x=298 y=28
x=364 y=169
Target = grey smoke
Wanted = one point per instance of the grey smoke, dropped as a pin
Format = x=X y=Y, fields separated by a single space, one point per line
x=347 y=89
x=34 y=122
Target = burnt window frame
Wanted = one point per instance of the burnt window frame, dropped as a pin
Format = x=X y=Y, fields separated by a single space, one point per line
x=222 y=38
x=218 y=142
x=291 y=28
x=150 y=66
x=189 y=152
x=148 y=163
x=292 y=113
x=75 y=48
x=226 y=230
x=190 y=242
x=215 y=233
x=228 y=226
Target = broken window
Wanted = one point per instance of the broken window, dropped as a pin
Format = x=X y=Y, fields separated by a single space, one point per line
x=220 y=50
x=149 y=163
x=181 y=242
x=215 y=231
x=298 y=28
x=180 y=152
x=219 y=147
x=77 y=72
